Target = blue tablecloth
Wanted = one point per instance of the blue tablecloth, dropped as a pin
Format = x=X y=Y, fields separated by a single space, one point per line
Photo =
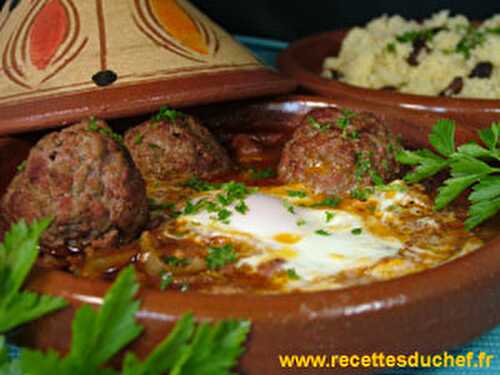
x=489 y=343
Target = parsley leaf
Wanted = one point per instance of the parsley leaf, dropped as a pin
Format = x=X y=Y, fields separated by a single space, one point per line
x=213 y=350
x=490 y=135
x=164 y=356
x=428 y=164
x=261 y=174
x=474 y=150
x=485 y=200
x=18 y=253
x=292 y=274
x=97 y=336
x=167 y=114
x=452 y=188
x=104 y=130
x=468 y=166
x=442 y=137
x=138 y=139
x=315 y=124
x=174 y=261
x=22 y=166
x=296 y=194
x=200 y=185
x=331 y=201
x=472 y=39
x=219 y=257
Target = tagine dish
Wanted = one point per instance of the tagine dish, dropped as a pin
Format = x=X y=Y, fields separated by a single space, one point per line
x=329 y=203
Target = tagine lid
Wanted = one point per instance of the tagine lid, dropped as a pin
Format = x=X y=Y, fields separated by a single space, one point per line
x=61 y=60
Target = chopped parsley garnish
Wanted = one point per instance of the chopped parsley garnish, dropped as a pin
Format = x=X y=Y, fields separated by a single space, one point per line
x=193 y=208
x=354 y=134
x=219 y=257
x=363 y=165
x=413 y=35
x=92 y=124
x=292 y=274
x=301 y=222
x=158 y=206
x=393 y=186
x=166 y=280
x=198 y=184
x=331 y=201
x=223 y=215
x=322 y=232
x=174 y=261
x=154 y=146
x=241 y=207
x=361 y=194
x=107 y=132
x=472 y=39
x=344 y=121
x=21 y=167
x=289 y=207
x=260 y=174
x=357 y=231
x=138 y=139
x=296 y=194
x=391 y=47
x=471 y=165
x=232 y=193
x=317 y=125
x=329 y=216
x=167 y=114
x=376 y=178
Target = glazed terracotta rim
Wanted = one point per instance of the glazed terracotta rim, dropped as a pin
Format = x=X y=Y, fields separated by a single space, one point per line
x=144 y=97
x=470 y=270
x=291 y=61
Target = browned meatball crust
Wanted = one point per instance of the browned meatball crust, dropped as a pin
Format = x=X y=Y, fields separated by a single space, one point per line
x=87 y=182
x=175 y=148
x=338 y=151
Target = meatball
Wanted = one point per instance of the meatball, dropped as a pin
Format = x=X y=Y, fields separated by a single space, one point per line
x=337 y=151
x=175 y=147
x=87 y=182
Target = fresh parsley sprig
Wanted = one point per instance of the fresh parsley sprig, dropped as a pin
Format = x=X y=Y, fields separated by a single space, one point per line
x=470 y=165
x=98 y=334
x=18 y=253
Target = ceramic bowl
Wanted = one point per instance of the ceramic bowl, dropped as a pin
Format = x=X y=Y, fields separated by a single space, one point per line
x=429 y=311
x=303 y=61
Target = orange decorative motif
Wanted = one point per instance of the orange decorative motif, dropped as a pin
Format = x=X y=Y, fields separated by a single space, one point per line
x=171 y=25
x=48 y=32
x=174 y=19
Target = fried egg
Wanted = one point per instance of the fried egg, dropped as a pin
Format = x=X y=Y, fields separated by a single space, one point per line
x=325 y=246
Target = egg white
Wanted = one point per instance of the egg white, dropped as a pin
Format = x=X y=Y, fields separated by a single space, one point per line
x=317 y=246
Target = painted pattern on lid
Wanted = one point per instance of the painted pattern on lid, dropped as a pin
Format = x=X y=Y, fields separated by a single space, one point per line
x=52 y=47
